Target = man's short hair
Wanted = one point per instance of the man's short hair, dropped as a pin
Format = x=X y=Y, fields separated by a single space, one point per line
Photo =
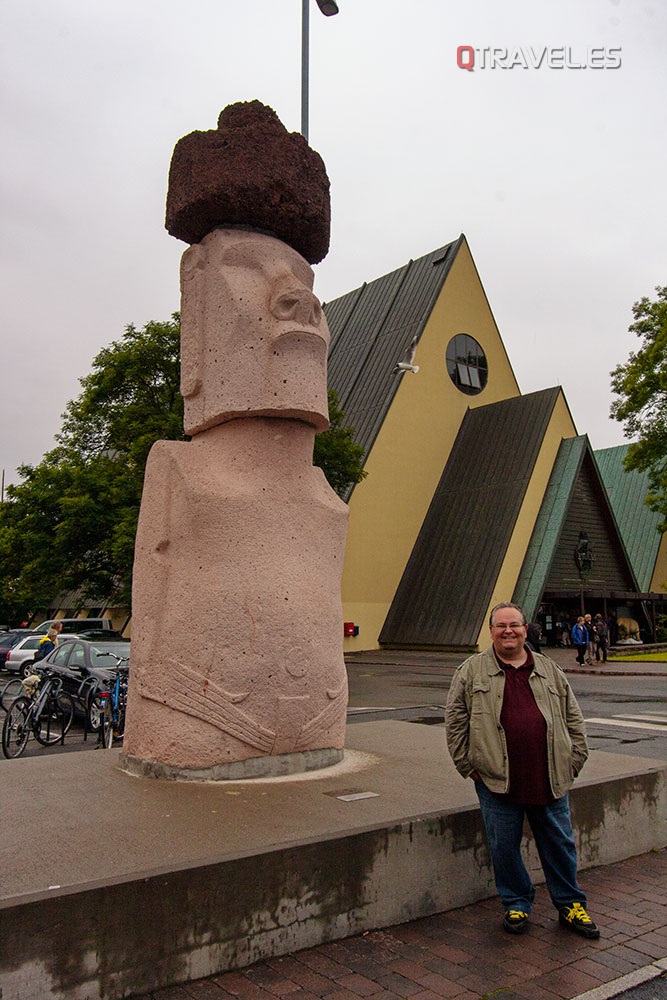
x=508 y=604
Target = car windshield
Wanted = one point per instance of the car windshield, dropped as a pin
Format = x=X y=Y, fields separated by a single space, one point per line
x=109 y=653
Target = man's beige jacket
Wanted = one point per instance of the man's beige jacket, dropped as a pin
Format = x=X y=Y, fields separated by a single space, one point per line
x=476 y=739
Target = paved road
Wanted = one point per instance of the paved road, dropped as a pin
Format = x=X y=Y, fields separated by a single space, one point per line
x=656 y=989
x=625 y=704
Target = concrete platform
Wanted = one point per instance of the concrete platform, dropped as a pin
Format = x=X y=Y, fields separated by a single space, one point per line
x=114 y=885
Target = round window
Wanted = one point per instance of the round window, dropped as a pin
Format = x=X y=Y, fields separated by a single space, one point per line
x=466 y=364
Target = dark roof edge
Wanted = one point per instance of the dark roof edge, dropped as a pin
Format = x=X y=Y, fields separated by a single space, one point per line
x=451 y=251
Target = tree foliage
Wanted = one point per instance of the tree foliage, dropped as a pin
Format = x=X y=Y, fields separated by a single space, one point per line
x=336 y=452
x=641 y=385
x=71 y=522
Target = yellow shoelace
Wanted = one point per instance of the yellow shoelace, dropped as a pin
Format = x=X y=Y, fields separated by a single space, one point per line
x=577 y=912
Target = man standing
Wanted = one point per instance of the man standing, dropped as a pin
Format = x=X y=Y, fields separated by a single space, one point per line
x=603 y=638
x=514 y=727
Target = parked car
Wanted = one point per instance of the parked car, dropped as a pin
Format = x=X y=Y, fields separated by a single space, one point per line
x=98 y=635
x=74 y=625
x=21 y=656
x=86 y=668
x=9 y=639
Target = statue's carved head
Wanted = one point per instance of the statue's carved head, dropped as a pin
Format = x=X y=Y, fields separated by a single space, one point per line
x=254 y=339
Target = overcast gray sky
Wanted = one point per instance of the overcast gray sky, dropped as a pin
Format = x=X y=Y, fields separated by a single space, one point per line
x=555 y=174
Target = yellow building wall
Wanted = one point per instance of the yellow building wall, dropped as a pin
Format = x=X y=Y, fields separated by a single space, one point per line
x=659 y=579
x=405 y=464
x=560 y=426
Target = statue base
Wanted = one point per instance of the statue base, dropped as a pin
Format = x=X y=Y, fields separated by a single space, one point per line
x=275 y=766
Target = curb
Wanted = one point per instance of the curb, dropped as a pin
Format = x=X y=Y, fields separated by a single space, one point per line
x=615 y=673
x=619 y=986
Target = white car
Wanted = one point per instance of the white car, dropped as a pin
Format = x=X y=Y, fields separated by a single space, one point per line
x=21 y=657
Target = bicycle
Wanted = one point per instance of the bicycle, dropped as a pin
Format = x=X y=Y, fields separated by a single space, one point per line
x=89 y=697
x=10 y=692
x=45 y=710
x=113 y=703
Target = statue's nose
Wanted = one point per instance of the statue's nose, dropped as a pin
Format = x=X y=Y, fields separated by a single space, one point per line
x=297 y=304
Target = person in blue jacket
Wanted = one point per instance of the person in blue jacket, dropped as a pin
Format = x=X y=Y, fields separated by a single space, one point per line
x=49 y=642
x=580 y=639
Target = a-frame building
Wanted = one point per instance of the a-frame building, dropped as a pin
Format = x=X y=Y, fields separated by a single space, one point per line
x=474 y=493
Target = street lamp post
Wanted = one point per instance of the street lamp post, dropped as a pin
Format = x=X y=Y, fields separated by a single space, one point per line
x=328 y=8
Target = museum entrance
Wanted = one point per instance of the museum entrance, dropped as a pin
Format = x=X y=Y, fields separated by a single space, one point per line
x=630 y=616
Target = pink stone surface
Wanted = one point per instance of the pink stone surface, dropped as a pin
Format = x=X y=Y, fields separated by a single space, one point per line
x=237 y=617
x=254 y=339
x=237 y=645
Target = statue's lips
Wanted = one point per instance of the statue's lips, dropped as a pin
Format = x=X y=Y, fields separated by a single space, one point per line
x=309 y=336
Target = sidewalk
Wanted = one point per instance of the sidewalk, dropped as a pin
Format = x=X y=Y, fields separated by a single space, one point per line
x=464 y=954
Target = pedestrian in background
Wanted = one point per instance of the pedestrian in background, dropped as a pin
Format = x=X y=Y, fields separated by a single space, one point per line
x=514 y=726
x=534 y=634
x=49 y=642
x=602 y=633
x=580 y=639
x=564 y=626
x=592 y=638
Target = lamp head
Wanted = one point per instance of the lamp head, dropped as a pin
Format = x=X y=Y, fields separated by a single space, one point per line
x=328 y=7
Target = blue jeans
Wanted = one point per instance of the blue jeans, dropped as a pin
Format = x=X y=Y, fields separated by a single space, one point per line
x=554 y=839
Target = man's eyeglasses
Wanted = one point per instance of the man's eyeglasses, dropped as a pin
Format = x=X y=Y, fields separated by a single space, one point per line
x=514 y=626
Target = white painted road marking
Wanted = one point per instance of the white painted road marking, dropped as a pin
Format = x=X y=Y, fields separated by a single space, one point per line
x=626 y=724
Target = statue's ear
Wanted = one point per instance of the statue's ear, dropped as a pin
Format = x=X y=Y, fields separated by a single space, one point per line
x=193 y=279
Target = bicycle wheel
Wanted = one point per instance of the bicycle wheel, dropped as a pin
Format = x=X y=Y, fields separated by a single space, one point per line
x=10 y=693
x=16 y=728
x=119 y=730
x=107 y=725
x=55 y=720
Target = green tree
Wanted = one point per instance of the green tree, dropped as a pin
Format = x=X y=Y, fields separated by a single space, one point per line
x=641 y=385
x=336 y=452
x=71 y=522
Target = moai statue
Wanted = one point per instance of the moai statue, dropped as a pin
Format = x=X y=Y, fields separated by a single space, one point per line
x=237 y=657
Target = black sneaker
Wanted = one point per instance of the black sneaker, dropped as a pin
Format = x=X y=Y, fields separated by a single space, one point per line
x=515 y=921
x=576 y=918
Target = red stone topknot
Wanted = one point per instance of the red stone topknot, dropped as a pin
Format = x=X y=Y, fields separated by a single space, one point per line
x=251 y=173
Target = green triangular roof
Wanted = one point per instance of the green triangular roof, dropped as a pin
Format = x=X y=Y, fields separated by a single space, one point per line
x=638 y=525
